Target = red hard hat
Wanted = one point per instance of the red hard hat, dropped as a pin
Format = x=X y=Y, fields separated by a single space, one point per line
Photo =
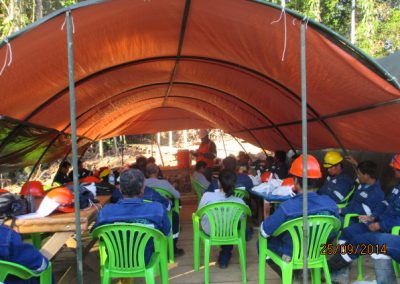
x=265 y=176
x=2 y=190
x=35 y=189
x=313 y=168
x=395 y=163
x=64 y=197
x=89 y=179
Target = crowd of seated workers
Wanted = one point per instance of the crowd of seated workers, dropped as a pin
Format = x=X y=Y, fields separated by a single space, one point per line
x=133 y=188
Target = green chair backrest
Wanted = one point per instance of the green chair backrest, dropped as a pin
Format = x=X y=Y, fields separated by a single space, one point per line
x=224 y=218
x=319 y=229
x=167 y=194
x=122 y=245
x=20 y=271
x=396 y=265
x=198 y=188
x=241 y=193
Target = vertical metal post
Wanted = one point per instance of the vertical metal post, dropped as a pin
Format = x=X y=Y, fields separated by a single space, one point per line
x=304 y=144
x=159 y=149
x=74 y=147
x=223 y=142
x=353 y=22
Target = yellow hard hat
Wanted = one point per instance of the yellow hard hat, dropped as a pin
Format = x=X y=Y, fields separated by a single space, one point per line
x=332 y=158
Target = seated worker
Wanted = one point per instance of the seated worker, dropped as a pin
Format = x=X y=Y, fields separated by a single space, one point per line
x=140 y=164
x=82 y=172
x=61 y=176
x=152 y=160
x=242 y=180
x=338 y=184
x=279 y=166
x=227 y=179
x=198 y=174
x=153 y=181
x=369 y=195
x=375 y=227
x=243 y=162
x=293 y=208
x=134 y=209
x=14 y=250
x=206 y=152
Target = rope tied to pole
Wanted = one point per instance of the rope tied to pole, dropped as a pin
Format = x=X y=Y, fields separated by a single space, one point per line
x=65 y=21
x=283 y=14
x=8 y=56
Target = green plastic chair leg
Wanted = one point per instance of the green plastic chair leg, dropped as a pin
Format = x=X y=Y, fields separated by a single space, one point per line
x=171 y=254
x=150 y=277
x=359 y=269
x=261 y=262
x=242 y=258
x=196 y=252
x=328 y=279
x=287 y=274
x=316 y=276
x=207 y=249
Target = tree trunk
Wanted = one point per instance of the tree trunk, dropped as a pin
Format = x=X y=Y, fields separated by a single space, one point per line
x=38 y=9
x=101 y=151
x=115 y=146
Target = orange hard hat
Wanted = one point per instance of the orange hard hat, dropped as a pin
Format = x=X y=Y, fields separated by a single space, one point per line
x=64 y=197
x=2 y=190
x=288 y=182
x=35 y=189
x=313 y=168
x=265 y=176
x=89 y=179
x=395 y=163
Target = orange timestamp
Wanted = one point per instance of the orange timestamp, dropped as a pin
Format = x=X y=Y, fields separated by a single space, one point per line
x=361 y=249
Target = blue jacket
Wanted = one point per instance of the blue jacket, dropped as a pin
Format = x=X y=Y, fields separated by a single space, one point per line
x=337 y=187
x=242 y=180
x=391 y=216
x=366 y=200
x=291 y=209
x=136 y=210
x=14 y=250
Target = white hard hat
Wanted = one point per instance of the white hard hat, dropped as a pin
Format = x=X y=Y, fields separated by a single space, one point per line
x=203 y=133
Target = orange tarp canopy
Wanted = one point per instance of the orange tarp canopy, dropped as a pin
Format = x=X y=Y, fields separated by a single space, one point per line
x=149 y=66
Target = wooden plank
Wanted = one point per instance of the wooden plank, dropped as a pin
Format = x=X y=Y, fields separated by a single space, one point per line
x=55 y=243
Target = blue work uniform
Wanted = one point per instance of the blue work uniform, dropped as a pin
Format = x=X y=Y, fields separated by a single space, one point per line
x=378 y=240
x=136 y=210
x=386 y=219
x=366 y=200
x=242 y=180
x=291 y=209
x=14 y=250
x=337 y=187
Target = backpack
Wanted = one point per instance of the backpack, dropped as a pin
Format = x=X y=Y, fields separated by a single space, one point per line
x=12 y=205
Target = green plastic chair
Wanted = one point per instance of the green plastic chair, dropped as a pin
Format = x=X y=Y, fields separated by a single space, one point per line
x=175 y=207
x=198 y=189
x=319 y=230
x=396 y=265
x=121 y=249
x=20 y=271
x=227 y=227
x=241 y=193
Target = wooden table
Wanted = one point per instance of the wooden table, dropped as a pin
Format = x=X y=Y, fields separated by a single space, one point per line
x=63 y=226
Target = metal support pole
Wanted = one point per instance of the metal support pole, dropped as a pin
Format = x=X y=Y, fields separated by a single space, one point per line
x=304 y=143
x=241 y=145
x=159 y=149
x=223 y=142
x=74 y=147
